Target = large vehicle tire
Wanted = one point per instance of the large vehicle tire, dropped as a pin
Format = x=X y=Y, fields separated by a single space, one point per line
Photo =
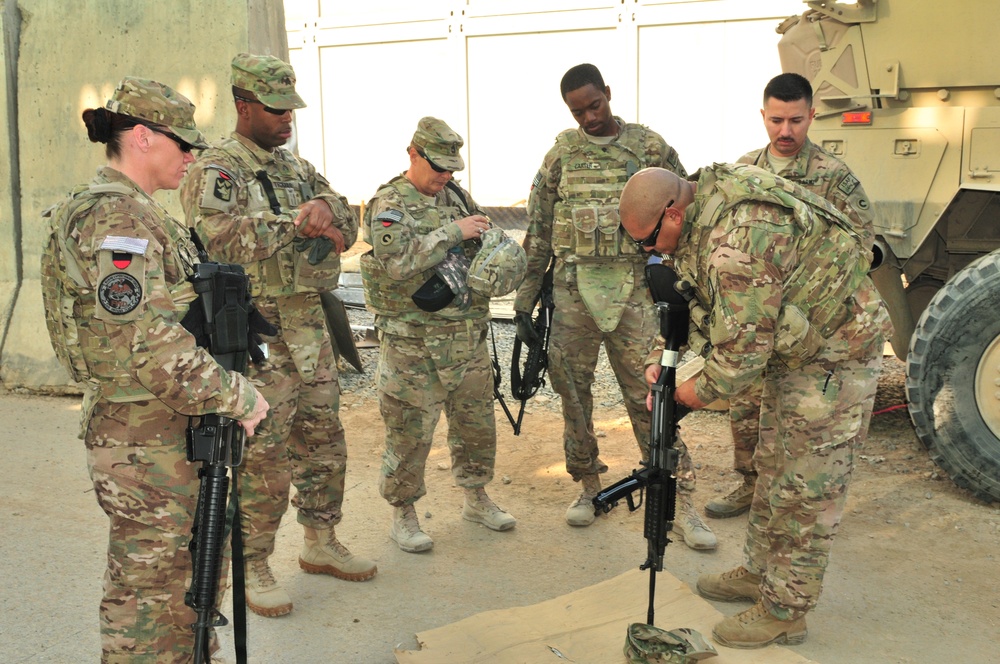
x=953 y=377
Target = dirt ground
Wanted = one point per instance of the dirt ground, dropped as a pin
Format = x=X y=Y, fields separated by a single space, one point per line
x=913 y=578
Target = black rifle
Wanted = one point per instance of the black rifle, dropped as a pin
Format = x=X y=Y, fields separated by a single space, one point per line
x=221 y=320
x=525 y=384
x=658 y=477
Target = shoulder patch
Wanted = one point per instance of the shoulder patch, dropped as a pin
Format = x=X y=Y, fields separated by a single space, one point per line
x=222 y=187
x=537 y=179
x=848 y=184
x=119 y=293
x=389 y=217
x=131 y=245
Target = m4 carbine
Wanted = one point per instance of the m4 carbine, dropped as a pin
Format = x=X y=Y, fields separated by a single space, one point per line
x=223 y=320
x=658 y=477
x=524 y=384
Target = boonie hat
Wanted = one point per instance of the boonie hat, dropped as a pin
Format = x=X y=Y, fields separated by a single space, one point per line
x=159 y=104
x=270 y=79
x=439 y=143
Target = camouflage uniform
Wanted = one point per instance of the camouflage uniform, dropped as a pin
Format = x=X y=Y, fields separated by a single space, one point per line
x=428 y=361
x=599 y=285
x=826 y=176
x=114 y=279
x=783 y=276
x=229 y=207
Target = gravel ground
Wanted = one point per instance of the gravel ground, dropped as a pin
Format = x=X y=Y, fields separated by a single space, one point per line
x=362 y=385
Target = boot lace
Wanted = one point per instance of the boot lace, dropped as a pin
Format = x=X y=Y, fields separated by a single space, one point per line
x=263 y=572
x=408 y=519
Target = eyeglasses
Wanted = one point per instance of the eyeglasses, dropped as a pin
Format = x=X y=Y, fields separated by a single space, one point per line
x=651 y=238
x=267 y=109
x=181 y=143
x=437 y=169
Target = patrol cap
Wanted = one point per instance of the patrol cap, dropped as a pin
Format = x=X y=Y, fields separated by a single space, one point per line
x=159 y=104
x=271 y=80
x=439 y=143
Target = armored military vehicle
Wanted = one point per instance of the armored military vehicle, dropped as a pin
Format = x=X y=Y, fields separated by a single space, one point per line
x=907 y=92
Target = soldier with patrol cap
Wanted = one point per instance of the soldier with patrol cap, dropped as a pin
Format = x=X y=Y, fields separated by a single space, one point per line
x=115 y=286
x=781 y=278
x=425 y=233
x=255 y=203
x=599 y=285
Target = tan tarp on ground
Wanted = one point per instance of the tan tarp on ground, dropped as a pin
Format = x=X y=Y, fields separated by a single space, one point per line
x=584 y=627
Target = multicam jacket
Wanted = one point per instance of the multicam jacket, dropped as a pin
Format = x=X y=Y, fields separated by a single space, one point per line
x=114 y=281
x=229 y=205
x=826 y=176
x=411 y=234
x=776 y=271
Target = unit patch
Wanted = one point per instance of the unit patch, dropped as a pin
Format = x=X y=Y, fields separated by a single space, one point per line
x=848 y=184
x=223 y=188
x=119 y=293
x=385 y=239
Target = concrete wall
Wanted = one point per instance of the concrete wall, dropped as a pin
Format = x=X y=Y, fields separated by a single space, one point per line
x=63 y=57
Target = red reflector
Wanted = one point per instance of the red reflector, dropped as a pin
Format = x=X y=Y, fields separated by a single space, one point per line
x=857 y=118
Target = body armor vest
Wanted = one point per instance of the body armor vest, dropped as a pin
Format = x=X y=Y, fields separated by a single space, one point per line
x=287 y=271
x=585 y=220
x=386 y=296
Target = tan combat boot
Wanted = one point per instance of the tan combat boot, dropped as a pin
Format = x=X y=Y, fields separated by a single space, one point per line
x=689 y=527
x=264 y=596
x=405 y=530
x=479 y=508
x=756 y=628
x=322 y=553
x=581 y=512
x=736 y=502
x=739 y=584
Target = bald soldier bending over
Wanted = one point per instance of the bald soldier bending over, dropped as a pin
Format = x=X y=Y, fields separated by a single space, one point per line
x=781 y=275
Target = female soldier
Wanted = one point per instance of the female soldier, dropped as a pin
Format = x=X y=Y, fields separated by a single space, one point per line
x=114 y=277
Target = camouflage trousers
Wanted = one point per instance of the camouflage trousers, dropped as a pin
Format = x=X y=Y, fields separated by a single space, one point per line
x=574 y=346
x=302 y=440
x=812 y=421
x=417 y=379
x=149 y=492
x=744 y=421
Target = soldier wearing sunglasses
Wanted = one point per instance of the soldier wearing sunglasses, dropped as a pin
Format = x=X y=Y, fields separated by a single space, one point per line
x=255 y=203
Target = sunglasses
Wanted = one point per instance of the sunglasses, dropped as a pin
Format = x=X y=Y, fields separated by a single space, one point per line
x=650 y=240
x=437 y=169
x=181 y=143
x=267 y=109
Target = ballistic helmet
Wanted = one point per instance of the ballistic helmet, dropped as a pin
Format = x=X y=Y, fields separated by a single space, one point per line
x=499 y=267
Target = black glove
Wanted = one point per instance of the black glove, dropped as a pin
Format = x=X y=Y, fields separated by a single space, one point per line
x=258 y=325
x=526 y=329
x=318 y=247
